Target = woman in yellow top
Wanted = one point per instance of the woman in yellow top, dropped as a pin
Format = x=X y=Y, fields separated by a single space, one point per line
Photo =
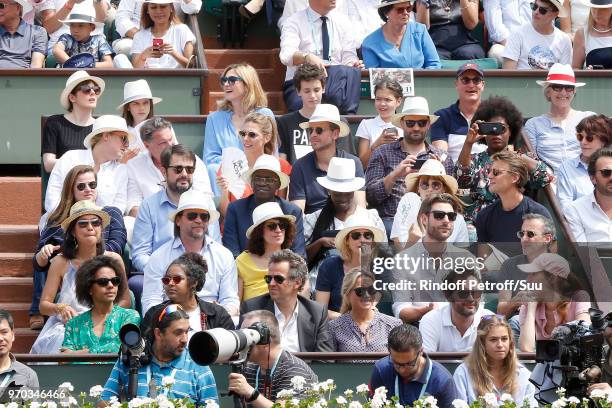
x=271 y=231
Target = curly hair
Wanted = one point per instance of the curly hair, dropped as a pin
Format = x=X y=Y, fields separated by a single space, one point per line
x=195 y=267
x=308 y=72
x=86 y=275
x=500 y=106
x=256 y=244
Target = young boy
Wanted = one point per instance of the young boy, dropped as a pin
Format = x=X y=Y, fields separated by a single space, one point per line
x=82 y=22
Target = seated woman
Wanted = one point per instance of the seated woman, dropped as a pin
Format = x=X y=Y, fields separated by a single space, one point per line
x=399 y=43
x=271 y=231
x=96 y=331
x=593 y=43
x=357 y=231
x=472 y=169
x=79 y=184
x=82 y=241
x=493 y=367
x=430 y=179
x=183 y=279
x=162 y=41
x=361 y=327
x=561 y=300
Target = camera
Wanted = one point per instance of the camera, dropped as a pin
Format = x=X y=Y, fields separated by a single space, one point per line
x=221 y=345
x=491 y=128
x=134 y=354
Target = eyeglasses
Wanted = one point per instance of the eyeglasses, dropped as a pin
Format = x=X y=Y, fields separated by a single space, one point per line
x=277 y=278
x=581 y=137
x=362 y=291
x=498 y=172
x=559 y=88
x=264 y=179
x=356 y=235
x=105 y=281
x=402 y=10
x=439 y=215
x=317 y=130
x=87 y=88
x=435 y=185
x=605 y=172
x=464 y=294
x=82 y=186
x=282 y=225
x=412 y=123
x=179 y=169
x=466 y=80
x=174 y=279
x=410 y=364
x=530 y=234
x=251 y=135
x=168 y=310
x=191 y=216
x=542 y=10
x=85 y=223
x=230 y=80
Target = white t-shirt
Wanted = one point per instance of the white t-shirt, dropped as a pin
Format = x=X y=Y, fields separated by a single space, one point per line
x=195 y=324
x=178 y=35
x=372 y=128
x=533 y=50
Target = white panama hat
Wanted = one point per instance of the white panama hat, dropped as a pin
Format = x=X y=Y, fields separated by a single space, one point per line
x=267 y=162
x=355 y=222
x=341 y=176
x=413 y=106
x=75 y=79
x=82 y=13
x=561 y=74
x=265 y=212
x=195 y=200
x=108 y=123
x=135 y=90
x=325 y=112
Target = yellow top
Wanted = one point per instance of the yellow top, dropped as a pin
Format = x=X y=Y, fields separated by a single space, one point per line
x=252 y=277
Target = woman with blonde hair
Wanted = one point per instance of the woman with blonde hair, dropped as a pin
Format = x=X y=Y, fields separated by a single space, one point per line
x=593 y=43
x=493 y=367
x=242 y=94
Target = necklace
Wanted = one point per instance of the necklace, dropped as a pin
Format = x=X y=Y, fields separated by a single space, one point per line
x=607 y=30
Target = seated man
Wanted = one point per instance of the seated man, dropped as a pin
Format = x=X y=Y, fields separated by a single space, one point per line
x=408 y=373
x=169 y=358
x=277 y=366
x=22 y=45
x=501 y=18
x=303 y=322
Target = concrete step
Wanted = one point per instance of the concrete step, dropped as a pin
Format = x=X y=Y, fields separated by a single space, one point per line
x=271 y=79
x=20 y=200
x=20 y=312
x=275 y=101
x=16 y=264
x=221 y=58
x=24 y=338
x=14 y=289
x=18 y=238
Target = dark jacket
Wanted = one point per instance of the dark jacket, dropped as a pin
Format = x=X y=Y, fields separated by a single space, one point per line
x=313 y=330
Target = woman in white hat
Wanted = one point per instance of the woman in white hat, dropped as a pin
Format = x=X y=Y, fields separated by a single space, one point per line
x=137 y=107
x=162 y=41
x=357 y=232
x=430 y=179
x=67 y=131
x=82 y=241
x=271 y=231
x=553 y=135
x=593 y=43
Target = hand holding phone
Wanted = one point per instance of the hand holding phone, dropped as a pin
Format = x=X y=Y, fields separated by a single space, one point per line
x=418 y=163
x=158 y=42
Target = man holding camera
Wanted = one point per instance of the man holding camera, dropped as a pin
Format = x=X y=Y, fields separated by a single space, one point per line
x=168 y=358
x=270 y=368
x=606 y=375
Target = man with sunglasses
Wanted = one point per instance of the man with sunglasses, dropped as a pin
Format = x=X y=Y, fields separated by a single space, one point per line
x=22 y=45
x=168 y=358
x=303 y=322
x=409 y=374
x=590 y=217
x=539 y=44
x=190 y=221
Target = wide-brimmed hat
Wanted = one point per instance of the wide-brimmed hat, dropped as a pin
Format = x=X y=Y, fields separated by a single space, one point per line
x=415 y=105
x=355 y=222
x=135 y=90
x=325 y=112
x=25 y=5
x=265 y=212
x=82 y=13
x=561 y=74
x=554 y=264
x=432 y=168
x=195 y=200
x=267 y=162
x=85 y=207
x=597 y=3
x=559 y=5
x=74 y=80
x=384 y=3
x=341 y=176
x=108 y=123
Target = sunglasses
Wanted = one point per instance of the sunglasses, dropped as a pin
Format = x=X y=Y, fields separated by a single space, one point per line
x=581 y=137
x=179 y=169
x=355 y=235
x=85 y=223
x=410 y=364
x=402 y=10
x=282 y=225
x=467 y=80
x=230 y=80
x=498 y=172
x=412 y=123
x=88 y=88
x=439 y=215
x=362 y=291
x=530 y=234
x=264 y=179
x=605 y=172
x=559 y=88
x=542 y=10
x=174 y=279
x=435 y=185
x=464 y=294
x=277 y=278
x=251 y=135
x=191 y=216
x=317 y=130
x=104 y=281
x=168 y=310
x=82 y=186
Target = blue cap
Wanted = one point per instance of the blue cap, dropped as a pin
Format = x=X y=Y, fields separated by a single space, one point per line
x=469 y=66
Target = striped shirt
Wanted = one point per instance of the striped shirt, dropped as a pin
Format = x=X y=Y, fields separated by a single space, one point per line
x=60 y=135
x=190 y=380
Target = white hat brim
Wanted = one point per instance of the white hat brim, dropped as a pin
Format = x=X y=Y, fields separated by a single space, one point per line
x=68 y=22
x=561 y=82
x=559 y=5
x=249 y=230
x=87 y=141
x=530 y=268
x=390 y=3
x=396 y=120
x=379 y=236
x=600 y=6
x=284 y=179
x=72 y=84
x=25 y=5
x=345 y=130
x=342 y=186
x=154 y=99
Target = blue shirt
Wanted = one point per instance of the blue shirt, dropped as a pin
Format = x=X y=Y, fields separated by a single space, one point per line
x=573 y=181
x=440 y=384
x=152 y=228
x=329 y=279
x=95 y=45
x=192 y=381
x=417 y=50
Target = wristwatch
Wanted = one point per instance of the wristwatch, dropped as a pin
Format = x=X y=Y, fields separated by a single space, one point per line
x=253 y=396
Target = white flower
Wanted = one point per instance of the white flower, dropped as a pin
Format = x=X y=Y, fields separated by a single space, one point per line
x=135 y=403
x=66 y=386
x=96 y=391
x=114 y=402
x=49 y=404
x=341 y=400
x=381 y=392
x=362 y=389
x=490 y=400
x=355 y=404
x=506 y=397
x=348 y=393
x=377 y=402
x=561 y=392
x=12 y=405
x=458 y=403
x=35 y=404
x=298 y=382
x=285 y=394
x=573 y=400
x=431 y=402
x=211 y=404
x=559 y=403
x=167 y=381
x=164 y=403
x=295 y=402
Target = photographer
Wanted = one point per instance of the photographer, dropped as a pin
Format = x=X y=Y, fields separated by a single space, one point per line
x=168 y=358
x=606 y=380
x=270 y=368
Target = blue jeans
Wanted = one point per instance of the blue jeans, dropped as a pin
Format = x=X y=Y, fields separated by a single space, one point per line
x=39 y=283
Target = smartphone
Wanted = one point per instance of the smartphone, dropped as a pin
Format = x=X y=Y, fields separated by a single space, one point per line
x=391 y=132
x=490 y=128
x=158 y=42
x=419 y=163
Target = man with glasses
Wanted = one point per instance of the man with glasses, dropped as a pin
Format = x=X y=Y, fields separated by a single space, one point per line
x=266 y=179
x=450 y=131
x=190 y=221
x=391 y=163
x=22 y=45
x=302 y=322
x=409 y=374
x=590 y=217
x=539 y=44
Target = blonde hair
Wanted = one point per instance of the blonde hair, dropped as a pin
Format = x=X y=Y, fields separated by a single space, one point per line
x=478 y=363
x=254 y=96
x=349 y=280
x=268 y=127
